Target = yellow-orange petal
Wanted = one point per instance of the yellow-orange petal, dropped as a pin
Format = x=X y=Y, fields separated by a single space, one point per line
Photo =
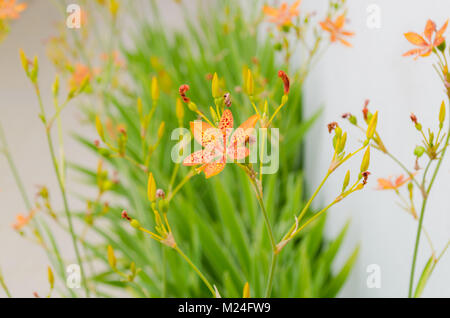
x=340 y=21
x=430 y=27
x=384 y=184
x=203 y=132
x=442 y=30
x=212 y=169
x=237 y=153
x=345 y=42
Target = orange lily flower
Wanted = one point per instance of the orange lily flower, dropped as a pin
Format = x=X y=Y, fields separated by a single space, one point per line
x=426 y=43
x=217 y=147
x=10 y=10
x=22 y=221
x=80 y=73
x=283 y=15
x=335 y=29
x=387 y=184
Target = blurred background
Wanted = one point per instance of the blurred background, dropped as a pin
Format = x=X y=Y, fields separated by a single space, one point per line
x=373 y=69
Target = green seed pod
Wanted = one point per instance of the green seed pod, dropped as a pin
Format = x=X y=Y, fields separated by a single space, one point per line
x=419 y=151
x=135 y=223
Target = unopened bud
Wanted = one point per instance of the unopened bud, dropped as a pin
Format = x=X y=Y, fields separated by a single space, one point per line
x=155 y=88
x=215 y=86
x=160 y=194
x=366 y=160
x=151 y=188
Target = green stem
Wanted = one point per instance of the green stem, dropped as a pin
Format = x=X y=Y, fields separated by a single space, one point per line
x=63 y=193
x=271 y=275
x=272 y=240
x=14 y=170
x=202 y=277
x=422 y=214
x=5 y=288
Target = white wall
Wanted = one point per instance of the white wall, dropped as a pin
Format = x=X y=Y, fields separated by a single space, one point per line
x=396 y=86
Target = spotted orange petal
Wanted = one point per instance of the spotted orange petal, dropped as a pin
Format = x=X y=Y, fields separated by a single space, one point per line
x=203 y=132
x=226 y=121
x=212 y=169
x=201 y=157
x=237 y=153
x=244 y=131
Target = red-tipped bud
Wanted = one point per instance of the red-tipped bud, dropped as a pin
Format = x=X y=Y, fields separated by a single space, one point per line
x=97 y=143
x=365 y=176
x=285 y=79
x=125 y=216
x=227 y=99
x=365 y=112
x=413 y=118
x=160 y=194
x=332 y=126
x=183 y=89
x=346 y=115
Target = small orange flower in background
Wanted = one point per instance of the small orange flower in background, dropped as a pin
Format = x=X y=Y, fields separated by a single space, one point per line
x=282 y=15
x=10 y=10
x=426 y=43
x=80 y=74
x=336 y=29
x=387 y=184
x=216 y=146
x=22 y=221
x=118 y=62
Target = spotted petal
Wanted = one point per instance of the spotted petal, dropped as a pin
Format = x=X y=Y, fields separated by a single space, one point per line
x=226 y=121
x=241 y=135
x=203 y=132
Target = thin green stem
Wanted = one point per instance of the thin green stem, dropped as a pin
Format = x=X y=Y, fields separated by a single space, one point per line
x=63 y=193
x=422 y=214
x=5 y=288
x=271 y=275
x=202 y=277
x=14 y=170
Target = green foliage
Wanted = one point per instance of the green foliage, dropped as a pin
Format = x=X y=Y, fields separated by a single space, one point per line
x=216 y=222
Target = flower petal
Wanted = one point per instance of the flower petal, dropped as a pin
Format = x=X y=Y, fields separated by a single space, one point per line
x=212 y=169
x=429 y=29
x=203 y=132
x=244 y=131
x=227 y=120
x=415 y=39
x=237 y=153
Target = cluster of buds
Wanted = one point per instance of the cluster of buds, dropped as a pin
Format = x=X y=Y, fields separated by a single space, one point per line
x=431 y=142
x=371 y=120
x=112 y=260
x=159 y=207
